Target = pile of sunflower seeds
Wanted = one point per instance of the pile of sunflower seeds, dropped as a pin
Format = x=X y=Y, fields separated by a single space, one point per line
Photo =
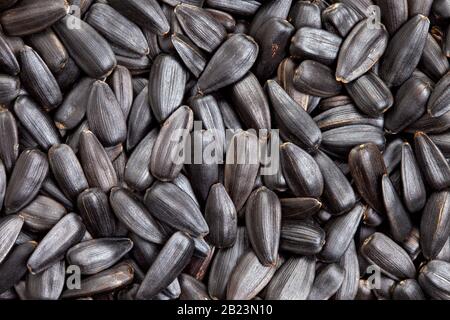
x=225 y=149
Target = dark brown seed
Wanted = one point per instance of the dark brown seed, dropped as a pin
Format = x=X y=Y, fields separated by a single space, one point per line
x=170 y=262
x=301 y=237
x=398 y=217
x=299 y=208
x=9 y=145
x=167 y=157
x=50 y=49
x=367 y=167
x=47 y=285
x=439 y=102
x=8 y=61
x=14 y=266
x=26 y=179
x=293 y=280
x=339 y=18
x=166 y=86
x=37 y=122
x=316 y=79
x=434 y=279
x=200 y=26
x=270 y=9
x=42 y=213
x=31 y=17
x=223 y=264
x=39 y=80
x=362 y=48
x=408 y=289
x=434 y=61
x=140 y=119
x=117 y=29
x=339 y=234
x=404 y=51
x=393 y=261
x=435 y=224
x=106 y=281
x=73 y=109
x=249 y=277
x=338 y=195
x=241 y=167
x=192 y=289
x=96 y=164
x=10 y=227
x=194 y=59
x=133 y=214
x=303 y=175
x=393 y=13
x=105 y=116
x=147 y=14
x=231 y=61
x=413 y=187
x=273 y=38
x=327 y=282
x=263 y=222
x=67 y=232
x=315 y=44
x=90 y=50
x=295 y=122
x=9 y=88
x=94 y=256
x=221 y=217
x=432 y=162
x=305 y=14
x=251 y=102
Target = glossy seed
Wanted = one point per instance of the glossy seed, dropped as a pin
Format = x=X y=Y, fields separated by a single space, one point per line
x=434 y=279
x=439 y=102
x=231 y=61
x=47 y=285
x=301 y=171
x=9 y=88
x=327 y=282
x=367 y=167
x=172 y=259
x=96 y=164
x=9 y=147
x=393 y=13
x=316 y=79
x=404 y=51
x=393 y=261
x=26 y=179
x=339 y=18
x=8 y=61
x=305 y=14
x=299 y=208
x=413 y=187
x=42 y=213
x=349 y=262
x=433 y=165
x=293 y=280
x=10 y=227
x=240 y=7
x=87 y=48
x=249 y=277
x=140 y=119
x=315 y=44
x=194 y=59
x=301 y=237
x=434 y=62
x=121 y=84
x=67 y=232
x=270 y=9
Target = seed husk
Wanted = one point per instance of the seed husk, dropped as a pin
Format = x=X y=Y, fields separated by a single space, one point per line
x=301 y=237
x=339 y=18
x=434 y=62
x=327 y=282
x=349 y=262
x=293 y=280
x=167 y=156
x=8 y=61
x=192 y=289
x=106 y=281
x=96 y=255
x=240 y=7
x=88 y=49
x=121 y=84
x=339 y=234
x=295 y=122
x=315 y=44
x=13 y=268
x=140 y=119
x=10 y=227
x=51 y=189
x=316 y=79
x=9 y=88
x=392 y=260
x=249 y=277
x=419 y=7
x=67 y=232
x=231 y=61
x=305 y=14
x=413 y=187
x=47 y=285
x=96 y=164
x=404 y=51
x=26 y=179
x=166 y=86
x=42 y=213
x=9 y=146
x=408 y=289
x=393 y=13
x=96 y=213
x=434 y=279
x=270 y=9
x=438 y=104
x=31 y=17
x=170 y=262
x=38 y=123
x=367 y=167
x=299 y=208
x=194 y=59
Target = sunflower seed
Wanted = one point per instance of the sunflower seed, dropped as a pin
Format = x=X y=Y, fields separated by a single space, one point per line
x=434 y=279
x=299 y=208
x=439 y=100
x=327 y=282
x=305 y=14
x=9 y=88
x=194 y=59
x=9 y=147
x=316 y=79
x=270 y=9
x=419 y=7
x=408 y=289
x=301 y=237
x=339 y=18
x=10 y=227
x=434 y=62
x=8 y=61
x=42 y=213
x=140 y=119
x=192 y=289
x=47 y=285
x=240 y=7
